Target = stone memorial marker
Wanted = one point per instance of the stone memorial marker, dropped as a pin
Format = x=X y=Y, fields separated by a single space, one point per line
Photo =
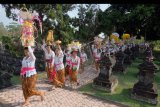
x=119 y=65
x=105 y=81
x=145 y=89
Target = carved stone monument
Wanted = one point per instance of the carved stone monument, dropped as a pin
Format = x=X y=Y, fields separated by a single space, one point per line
x=145 y=89
x=119 y=66
x=105 y=81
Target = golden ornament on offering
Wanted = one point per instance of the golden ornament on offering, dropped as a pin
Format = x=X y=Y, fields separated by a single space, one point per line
x=50 y=36
x=75 y=45
x=125 y=36
x=115 y=38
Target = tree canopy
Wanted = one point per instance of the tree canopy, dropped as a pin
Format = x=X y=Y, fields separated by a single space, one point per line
x=136 y=19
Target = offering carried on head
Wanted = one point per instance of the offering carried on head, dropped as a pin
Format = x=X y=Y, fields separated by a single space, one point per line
x=50 y=36
x=114 y=37
x=27 y=19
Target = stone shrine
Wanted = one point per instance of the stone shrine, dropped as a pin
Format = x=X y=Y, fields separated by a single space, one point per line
x=105 y=81
x=148 y=52
x=119 y=65
x=145 y=89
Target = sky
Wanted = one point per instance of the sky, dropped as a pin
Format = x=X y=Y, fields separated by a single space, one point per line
x=72 y=14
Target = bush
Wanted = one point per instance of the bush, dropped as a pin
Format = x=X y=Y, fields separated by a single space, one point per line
x=156 y=45
x=138 y=41
x=11 y=46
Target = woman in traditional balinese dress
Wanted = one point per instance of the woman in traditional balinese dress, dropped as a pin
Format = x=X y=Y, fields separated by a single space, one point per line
x=83 y=59
x=67 y=64
x=59 y=66
x=29 y=76
x=97 y=55
x=74 y=67
x=49 y=59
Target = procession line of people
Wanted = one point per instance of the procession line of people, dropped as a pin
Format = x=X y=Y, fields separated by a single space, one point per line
x=59 y=72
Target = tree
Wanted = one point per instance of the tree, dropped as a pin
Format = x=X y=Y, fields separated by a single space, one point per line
x=14 y=30
x=86 y=22
x=137 y=19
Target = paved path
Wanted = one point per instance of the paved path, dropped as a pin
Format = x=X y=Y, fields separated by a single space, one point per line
x=56 y=98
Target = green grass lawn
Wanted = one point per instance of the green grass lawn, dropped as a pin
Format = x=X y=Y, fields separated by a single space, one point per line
x=15 y=80
x=122 y=92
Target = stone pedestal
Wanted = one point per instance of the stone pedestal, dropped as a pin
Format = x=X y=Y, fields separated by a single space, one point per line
x=119 y=65
x=147 y=53
x=105 y=81
x=145 y=89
